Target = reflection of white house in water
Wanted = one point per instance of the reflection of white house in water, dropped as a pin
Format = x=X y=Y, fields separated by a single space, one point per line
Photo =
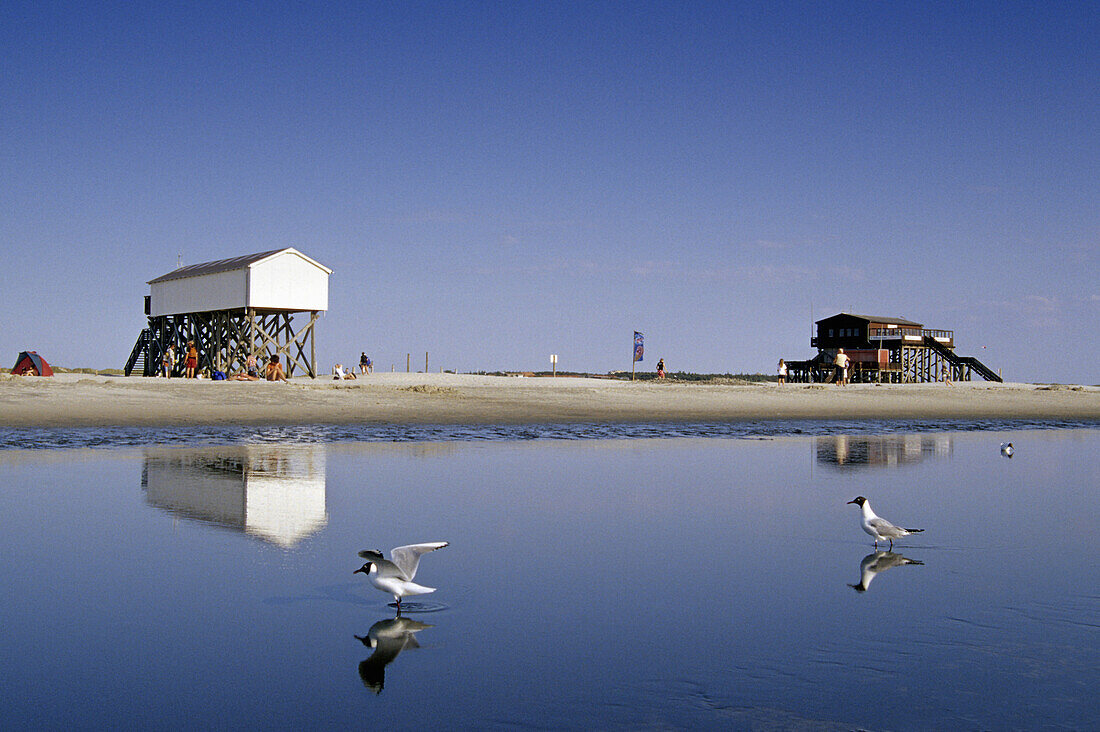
x=880 y=450
x=276 y=493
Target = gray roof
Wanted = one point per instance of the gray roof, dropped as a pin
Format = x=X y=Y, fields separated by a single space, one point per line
x=875 y=319
x=225 y=265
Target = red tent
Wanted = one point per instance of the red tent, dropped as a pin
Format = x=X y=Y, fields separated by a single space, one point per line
x=30 y=363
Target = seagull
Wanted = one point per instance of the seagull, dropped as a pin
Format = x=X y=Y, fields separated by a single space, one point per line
x=879 y=528
x=1006 y=449
x=387 y=638
x=879 y=561
x=395 y=575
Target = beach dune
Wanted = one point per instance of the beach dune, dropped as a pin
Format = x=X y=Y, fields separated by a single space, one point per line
x=76 y=400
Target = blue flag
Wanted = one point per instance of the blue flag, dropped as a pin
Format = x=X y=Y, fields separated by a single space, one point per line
x=639 y=346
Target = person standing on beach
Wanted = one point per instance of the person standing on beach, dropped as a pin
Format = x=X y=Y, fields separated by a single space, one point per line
x=168 y=361
x=192 y=361
x=841 y=363
x=365 y=365
x=660 y=368
x=782 y=368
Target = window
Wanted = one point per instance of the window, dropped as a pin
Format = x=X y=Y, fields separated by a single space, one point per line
x=830 y=332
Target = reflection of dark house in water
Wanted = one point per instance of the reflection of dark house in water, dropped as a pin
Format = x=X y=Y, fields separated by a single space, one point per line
x=884 y=451
x=886 y=349
x=276 y=493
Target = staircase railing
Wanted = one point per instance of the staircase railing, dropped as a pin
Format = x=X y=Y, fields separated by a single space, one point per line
x=143 y=351
x=967 y=361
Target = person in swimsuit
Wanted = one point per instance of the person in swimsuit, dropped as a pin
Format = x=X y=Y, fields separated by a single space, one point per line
x=192 y=361
x=274 y=370
x=251 y=371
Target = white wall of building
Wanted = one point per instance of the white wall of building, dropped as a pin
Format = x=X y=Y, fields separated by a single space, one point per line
x=284 y=281
x=218 y=291
x=287 y=281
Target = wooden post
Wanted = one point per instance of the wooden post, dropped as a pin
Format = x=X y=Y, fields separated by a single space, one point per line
x=425 y=362
x=312 y=347
x=408 y=362
x=217 y=342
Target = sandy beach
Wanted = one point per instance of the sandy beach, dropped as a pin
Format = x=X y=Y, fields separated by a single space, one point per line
x=81 y=400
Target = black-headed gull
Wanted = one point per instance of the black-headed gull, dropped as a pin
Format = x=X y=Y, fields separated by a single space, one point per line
x=395 y=575
x=879 y=528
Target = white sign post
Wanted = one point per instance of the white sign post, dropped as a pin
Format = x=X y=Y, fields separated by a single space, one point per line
x=554 y=364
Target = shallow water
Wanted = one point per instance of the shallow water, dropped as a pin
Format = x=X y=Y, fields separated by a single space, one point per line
x=34 y=438
x=611 y=583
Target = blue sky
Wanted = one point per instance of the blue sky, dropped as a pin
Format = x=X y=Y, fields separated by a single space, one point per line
x=496 y=182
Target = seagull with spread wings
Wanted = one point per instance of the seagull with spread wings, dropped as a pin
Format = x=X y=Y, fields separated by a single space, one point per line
x=395 y=575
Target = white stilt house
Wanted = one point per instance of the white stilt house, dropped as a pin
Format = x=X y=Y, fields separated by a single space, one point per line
x=233 y=308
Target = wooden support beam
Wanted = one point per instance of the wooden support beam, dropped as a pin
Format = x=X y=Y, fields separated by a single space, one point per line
x=226 y=338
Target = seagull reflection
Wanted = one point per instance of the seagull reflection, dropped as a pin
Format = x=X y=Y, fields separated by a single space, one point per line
x=388 y=638
x=877 y=562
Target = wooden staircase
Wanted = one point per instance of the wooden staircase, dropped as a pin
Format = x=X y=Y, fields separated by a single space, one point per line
x=962 y=365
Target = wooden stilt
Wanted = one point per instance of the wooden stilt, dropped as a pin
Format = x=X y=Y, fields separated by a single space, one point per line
x=226 y=338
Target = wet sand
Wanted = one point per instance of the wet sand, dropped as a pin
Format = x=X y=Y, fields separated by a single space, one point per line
x=80 y=400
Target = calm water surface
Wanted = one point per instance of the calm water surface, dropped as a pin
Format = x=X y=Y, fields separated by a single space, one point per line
x=608 y=583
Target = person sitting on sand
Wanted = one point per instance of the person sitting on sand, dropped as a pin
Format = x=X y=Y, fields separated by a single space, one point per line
x=251 y=371
x=274 y=370
x=338 y=372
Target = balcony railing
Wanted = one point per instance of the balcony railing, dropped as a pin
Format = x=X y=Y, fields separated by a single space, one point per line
x=893 y=334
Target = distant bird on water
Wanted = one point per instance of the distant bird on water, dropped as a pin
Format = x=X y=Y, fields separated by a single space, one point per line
x=395 y=575
x=1006 y=449
x=879 y=528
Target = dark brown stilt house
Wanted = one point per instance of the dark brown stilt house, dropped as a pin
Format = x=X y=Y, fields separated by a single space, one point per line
x=885 y=349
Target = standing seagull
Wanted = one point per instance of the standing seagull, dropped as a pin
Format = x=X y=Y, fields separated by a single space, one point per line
x=1006 y=449
x=395 y=575
x=879 y=528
